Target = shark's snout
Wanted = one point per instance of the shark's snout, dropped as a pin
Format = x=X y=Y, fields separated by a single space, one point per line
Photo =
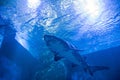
x=46 y=37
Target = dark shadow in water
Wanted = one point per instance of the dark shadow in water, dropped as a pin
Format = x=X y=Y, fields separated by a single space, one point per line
x=13 y=51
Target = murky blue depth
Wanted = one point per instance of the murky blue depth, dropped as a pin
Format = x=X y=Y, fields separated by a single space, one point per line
x=89 y=25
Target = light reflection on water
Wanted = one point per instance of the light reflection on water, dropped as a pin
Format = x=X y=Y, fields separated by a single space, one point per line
x=81 y=21
x=94 y=24
x=33 y=4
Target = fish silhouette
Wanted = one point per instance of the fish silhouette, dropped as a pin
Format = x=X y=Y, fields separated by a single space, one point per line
x=63 y=49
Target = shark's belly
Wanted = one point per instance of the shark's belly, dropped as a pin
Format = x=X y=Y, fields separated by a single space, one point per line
x=70 y=57
x=58 y=48
x=64 y=51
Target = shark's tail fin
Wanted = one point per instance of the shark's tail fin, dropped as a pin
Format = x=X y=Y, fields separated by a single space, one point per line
x=93 y=69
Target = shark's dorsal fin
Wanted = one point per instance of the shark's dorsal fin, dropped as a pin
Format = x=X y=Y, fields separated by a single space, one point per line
x=77 y=50
x=73 y=47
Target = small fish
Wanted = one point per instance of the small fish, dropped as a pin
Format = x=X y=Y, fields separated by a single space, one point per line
x=63 y=49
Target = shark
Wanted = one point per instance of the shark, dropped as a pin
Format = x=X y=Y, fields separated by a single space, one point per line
x=65 y=50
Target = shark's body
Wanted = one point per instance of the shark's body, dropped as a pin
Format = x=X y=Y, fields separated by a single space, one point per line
x=63 y=49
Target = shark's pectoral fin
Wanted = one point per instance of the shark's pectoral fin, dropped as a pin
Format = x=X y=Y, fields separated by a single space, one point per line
x=93 y=69
x=57 y=57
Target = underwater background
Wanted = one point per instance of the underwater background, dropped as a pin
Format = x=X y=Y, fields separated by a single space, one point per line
x=89 y=25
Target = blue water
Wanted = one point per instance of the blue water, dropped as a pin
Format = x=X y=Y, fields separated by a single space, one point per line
x=90 y=25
